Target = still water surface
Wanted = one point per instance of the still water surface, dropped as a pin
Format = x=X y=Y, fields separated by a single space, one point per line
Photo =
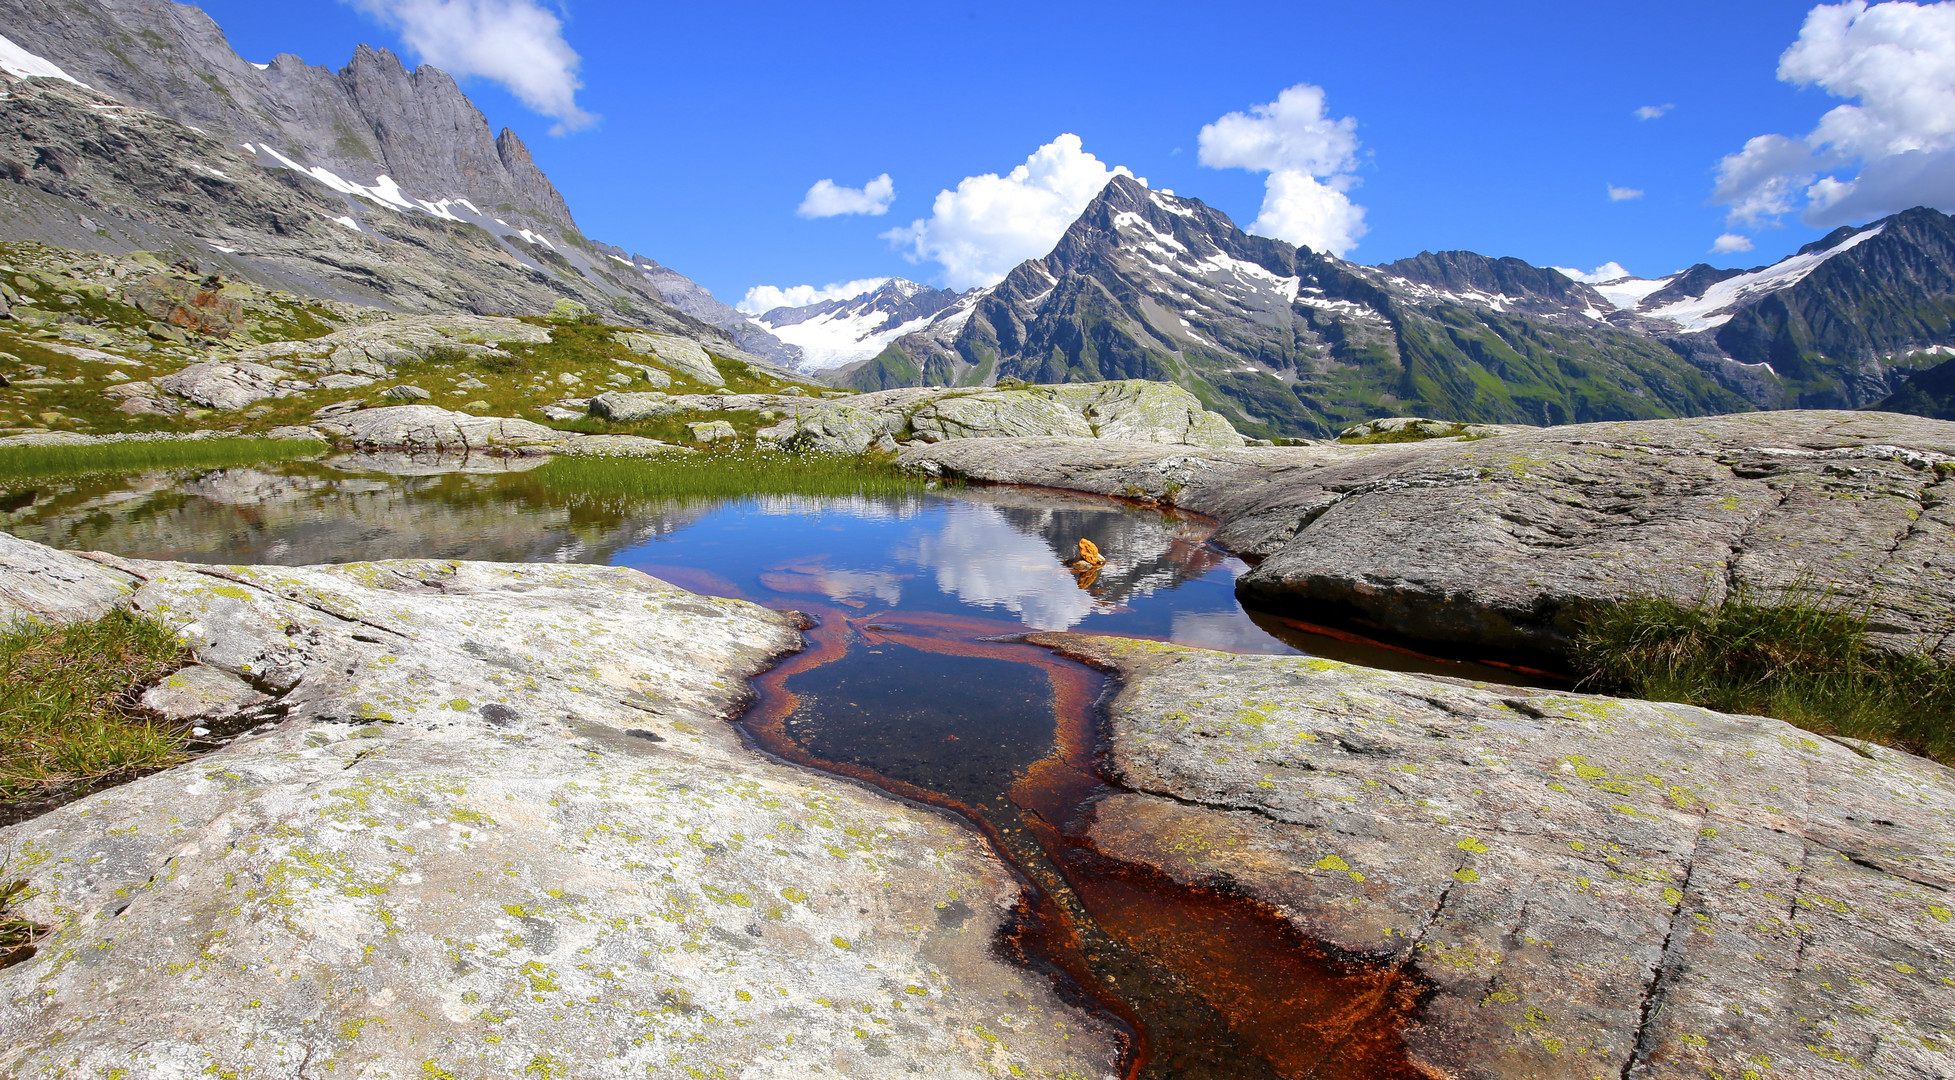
x=905 y=685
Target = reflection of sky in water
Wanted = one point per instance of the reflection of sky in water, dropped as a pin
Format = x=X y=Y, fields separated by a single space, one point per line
x=992 y=553
x=978 y=557
x=985 y=556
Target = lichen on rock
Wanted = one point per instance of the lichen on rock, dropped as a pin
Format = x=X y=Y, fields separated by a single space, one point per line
x=501 y=822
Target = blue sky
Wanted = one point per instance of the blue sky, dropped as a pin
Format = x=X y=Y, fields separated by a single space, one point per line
x=1498 y=133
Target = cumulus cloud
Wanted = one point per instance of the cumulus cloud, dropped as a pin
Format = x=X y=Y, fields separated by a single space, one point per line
x=765 y=298
x=1651 y=112
x=829 y=199
x=1621 y=194
x=1310 y=159
x=1893 y=149
x=991 y=223
x=1608 y=271
x=1730 y=242
x=517 y=43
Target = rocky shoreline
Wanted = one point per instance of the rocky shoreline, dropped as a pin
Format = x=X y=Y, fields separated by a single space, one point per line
x=1492 y=544
x=489 y=809
x=497 y=819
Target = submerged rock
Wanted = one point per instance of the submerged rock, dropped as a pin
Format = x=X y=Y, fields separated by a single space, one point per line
x=1497 y=544
x=501 y=829
x=1584 y=886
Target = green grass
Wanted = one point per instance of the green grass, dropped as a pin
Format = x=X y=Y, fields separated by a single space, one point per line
x=17 y=935
x=1805 y=659
x=67 y=709
x=48 y=462
x=725 y=475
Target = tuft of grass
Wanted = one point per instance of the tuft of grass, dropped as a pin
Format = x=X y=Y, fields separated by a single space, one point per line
x=1805 y=659
x=17 y=935
x=147 y=455
x=68 y=714
x=733 y=474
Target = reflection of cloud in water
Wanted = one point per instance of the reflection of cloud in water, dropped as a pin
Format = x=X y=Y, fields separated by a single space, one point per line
x=859 y=507
x=981 y=558
x=1227 y=630
x=842 y=585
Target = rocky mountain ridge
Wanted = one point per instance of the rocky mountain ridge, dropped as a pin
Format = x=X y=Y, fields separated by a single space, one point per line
x=1289 y=341
x=834 y=333
x=465 y=218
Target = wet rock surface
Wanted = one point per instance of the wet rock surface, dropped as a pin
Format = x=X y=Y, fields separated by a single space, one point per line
x=496 y=826
x=1496 y=543
x=1581 y=886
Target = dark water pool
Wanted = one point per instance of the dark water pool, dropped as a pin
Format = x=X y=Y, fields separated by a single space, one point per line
x=910 y=683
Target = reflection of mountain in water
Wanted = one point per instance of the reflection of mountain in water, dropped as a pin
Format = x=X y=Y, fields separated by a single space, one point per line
x=1008 y=548
x=299 y=514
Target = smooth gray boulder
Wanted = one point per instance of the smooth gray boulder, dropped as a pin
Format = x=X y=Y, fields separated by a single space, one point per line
x=429 y=427
x=681 y=354
x=996 y=414
x=373 y=350
x=500 y=827
x=198 y=692
x=1496 y=544
x=1134 y=410
x=45 y=585
x=229 y=386
x=1569 y=886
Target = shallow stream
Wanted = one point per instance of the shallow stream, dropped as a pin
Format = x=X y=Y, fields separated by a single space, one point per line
x=910 y=683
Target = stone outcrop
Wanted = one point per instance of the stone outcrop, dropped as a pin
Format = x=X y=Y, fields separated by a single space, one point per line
x=1496 y=544
x=1133 y=411
x=1585 y=887
x=429 y=427
x=228 y=386
x=682 y=355
x=491 y=823
x=374 y=350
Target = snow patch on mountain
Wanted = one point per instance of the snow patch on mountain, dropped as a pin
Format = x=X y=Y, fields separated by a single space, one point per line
x=1713 y=309
x=843 y=330
x=1628 y=294
x=21 y=64
x=841 y=337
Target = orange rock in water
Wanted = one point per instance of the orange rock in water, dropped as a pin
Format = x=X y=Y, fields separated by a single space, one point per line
x=1089 y=553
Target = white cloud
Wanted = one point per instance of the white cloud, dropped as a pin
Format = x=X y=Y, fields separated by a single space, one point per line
x=1730 y=242
x=991 y=223
x=765 y=298
x=1310 y=159
x=1652 y=112
x=1620 y=194
x=517 y=43
x=1608 y=271
x=829 y=199
x=1897 y=143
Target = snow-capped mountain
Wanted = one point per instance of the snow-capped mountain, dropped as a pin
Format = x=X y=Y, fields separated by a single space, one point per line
x=1290 y=341
x=137 y=126
x=837 y=332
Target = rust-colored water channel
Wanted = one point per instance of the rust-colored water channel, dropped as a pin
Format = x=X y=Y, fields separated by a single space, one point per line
x=910 y=682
